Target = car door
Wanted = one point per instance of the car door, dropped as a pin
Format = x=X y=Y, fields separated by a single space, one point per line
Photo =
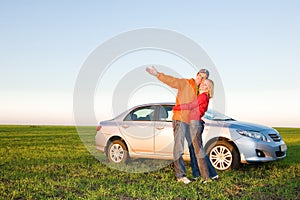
x=138 y=129
x=164 y=139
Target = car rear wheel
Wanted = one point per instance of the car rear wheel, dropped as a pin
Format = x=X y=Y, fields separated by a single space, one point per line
x=223 y=156
x=117 y=152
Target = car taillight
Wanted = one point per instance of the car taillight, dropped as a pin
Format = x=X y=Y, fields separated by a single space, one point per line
x=99 y=128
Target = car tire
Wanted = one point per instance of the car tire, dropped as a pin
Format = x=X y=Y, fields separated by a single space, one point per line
x=117 y=152
x=223 y=156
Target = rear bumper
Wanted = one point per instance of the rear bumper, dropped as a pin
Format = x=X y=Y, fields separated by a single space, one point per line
x=101 y=148
x=101 y=141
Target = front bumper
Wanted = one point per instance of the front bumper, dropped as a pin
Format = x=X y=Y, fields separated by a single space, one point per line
x=259 y=151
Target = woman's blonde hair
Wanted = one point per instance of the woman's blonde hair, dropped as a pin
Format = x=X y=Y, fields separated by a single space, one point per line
x=210 y=87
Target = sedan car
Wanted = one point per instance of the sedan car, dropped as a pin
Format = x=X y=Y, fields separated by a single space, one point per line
x=145 y=131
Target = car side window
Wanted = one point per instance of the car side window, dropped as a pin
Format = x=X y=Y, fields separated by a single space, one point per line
x=165 y=113
x=141 y=114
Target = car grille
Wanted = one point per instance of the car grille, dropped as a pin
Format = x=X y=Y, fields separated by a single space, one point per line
x=275 y=137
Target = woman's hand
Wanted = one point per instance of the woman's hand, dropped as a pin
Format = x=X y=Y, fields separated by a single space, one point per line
x=177 y=107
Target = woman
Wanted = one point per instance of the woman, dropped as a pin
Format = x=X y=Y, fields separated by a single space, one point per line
x=197 y=109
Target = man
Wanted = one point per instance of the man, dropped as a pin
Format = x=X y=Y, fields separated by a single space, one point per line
x=187 y=92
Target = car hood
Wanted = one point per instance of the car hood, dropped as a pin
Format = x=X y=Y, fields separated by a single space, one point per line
x=245 y=126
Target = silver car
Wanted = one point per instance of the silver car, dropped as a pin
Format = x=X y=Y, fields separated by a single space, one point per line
x=145 y=131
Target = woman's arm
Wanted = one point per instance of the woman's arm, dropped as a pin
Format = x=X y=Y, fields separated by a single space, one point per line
x=187 y=106
x=200 y=102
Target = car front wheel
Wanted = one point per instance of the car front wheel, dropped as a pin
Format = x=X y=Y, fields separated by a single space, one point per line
x=117 y=152
x=223 y=156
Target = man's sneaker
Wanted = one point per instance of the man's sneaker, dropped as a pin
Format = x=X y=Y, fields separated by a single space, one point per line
x=195 y=178
x=215 y=177
x=184 y=179
x=206 y=180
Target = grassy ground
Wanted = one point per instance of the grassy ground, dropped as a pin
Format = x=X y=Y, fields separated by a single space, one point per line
x=48 y=162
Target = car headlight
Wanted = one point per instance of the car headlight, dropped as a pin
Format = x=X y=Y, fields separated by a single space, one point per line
x=253 y=134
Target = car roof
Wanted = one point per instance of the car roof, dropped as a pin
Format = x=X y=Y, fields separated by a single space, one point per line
x=156 y=104
x=123 y=114
x=152 y=104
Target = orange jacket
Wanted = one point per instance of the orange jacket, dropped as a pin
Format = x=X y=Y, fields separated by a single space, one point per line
x=186 y=94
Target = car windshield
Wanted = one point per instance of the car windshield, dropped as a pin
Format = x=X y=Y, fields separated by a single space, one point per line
x=215 y=115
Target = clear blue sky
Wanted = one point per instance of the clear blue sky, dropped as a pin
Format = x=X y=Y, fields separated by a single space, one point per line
x=255 y=46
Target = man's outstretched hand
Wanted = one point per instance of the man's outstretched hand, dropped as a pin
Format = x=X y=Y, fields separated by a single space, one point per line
x=153 y=71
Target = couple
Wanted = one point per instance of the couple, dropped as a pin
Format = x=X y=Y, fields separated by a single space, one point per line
x=191 y=103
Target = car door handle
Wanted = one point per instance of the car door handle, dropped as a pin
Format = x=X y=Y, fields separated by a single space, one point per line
x=125 y=126
x=160 y=128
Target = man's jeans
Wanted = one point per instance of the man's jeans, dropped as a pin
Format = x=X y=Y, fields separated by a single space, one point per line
x=182 y=130
x=204 y=164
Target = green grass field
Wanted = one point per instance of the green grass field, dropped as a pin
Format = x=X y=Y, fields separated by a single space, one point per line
x=51 y=162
